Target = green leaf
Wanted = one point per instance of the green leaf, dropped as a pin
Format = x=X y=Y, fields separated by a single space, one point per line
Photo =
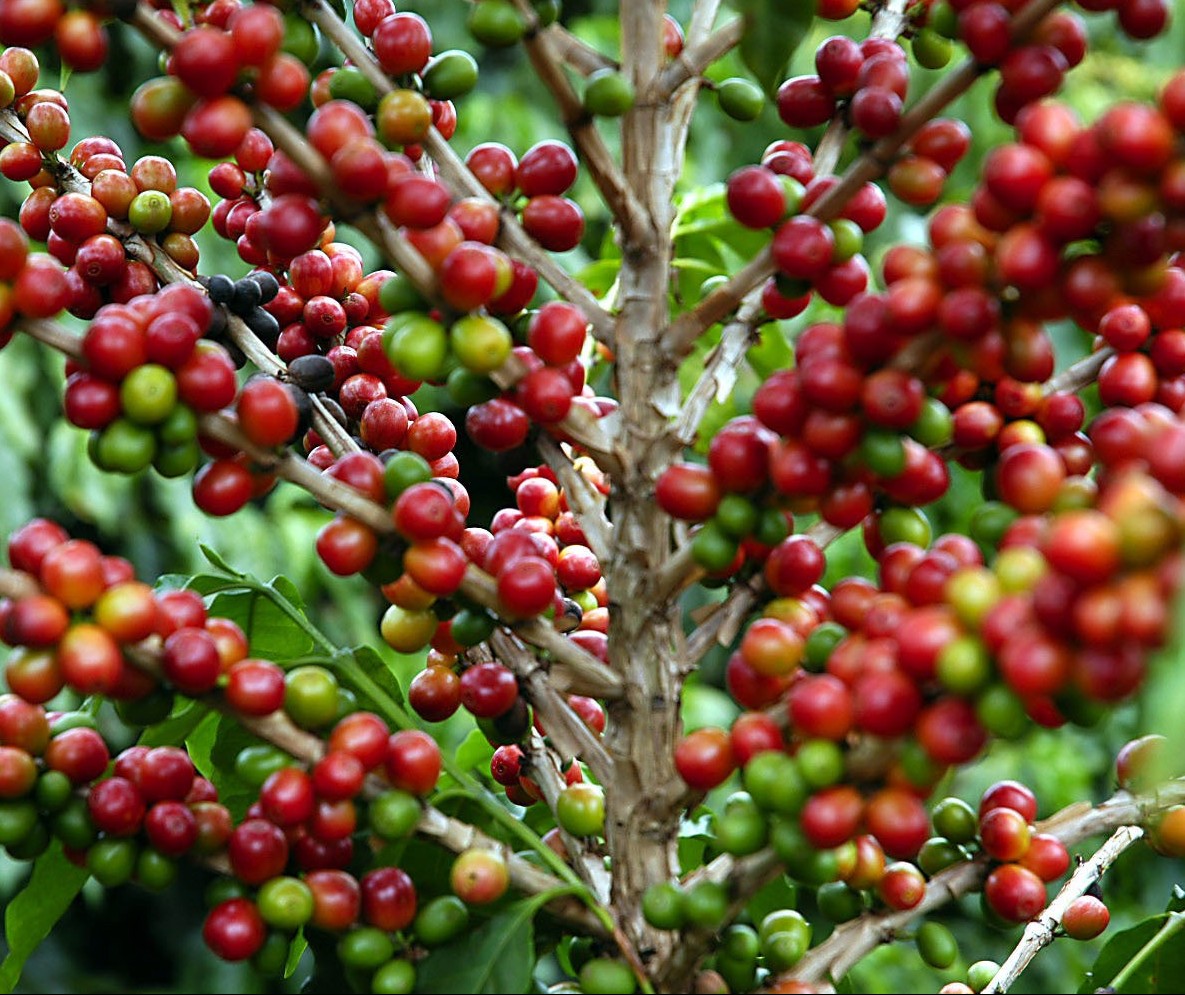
x=213 y=746
x=285 y=589
x=295 y=951
x=773 y=30
x=1176 y=900
x=270 y=630
x=498 y=956
x=32 y=914
x=365 y=673
x=218 y=563
x=773 y=352
x=780 y=893
x=1161 y=970
x=475 y=752
x=174 y=730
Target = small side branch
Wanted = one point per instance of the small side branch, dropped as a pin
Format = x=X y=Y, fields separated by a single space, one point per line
x=584 y=500
x=564 y=727
x=573 y=670
x=744 y=876
x=720 y=369
x=1043 y=930
x=1073 y=378
x=627 y=210
x=695 y=58
x=576 y=53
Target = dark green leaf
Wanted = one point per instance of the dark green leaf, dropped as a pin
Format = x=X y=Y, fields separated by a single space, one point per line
x=1163 y=970
x=32 y=914
x=773 y=30
x=1176 y=900
x=772 y=352
x=270 y=631
x=497 y=957
x=174 y=730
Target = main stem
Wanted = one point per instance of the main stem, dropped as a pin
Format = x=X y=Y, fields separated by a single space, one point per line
x=642 y=822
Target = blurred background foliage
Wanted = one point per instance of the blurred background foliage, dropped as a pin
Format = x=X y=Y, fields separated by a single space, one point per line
x=128 y=940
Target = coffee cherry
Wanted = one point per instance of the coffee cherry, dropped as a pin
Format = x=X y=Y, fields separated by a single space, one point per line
x=234 y=930
x=1085 y=918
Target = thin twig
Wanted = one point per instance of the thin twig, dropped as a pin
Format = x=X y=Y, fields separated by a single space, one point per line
x=584 y=500
x=1043 y=930
x=695 y=58
x=1081 y=373
x=576 y=52
x=604 y=171
x=720 y=369
x=573 y=670
x=567 y=729
x=744 y=876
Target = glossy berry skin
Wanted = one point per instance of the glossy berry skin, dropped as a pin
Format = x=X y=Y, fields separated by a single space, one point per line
x=1014 y=893
x=267 y=413
x=413 y=761
x=704 y=758
x=488 y=690
x=1085 y=918
x=388 y=898
x=479 y=877
x=258 y=851
x=234 y=930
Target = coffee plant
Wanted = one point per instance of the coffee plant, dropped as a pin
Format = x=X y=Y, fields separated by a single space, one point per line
x=683 y=428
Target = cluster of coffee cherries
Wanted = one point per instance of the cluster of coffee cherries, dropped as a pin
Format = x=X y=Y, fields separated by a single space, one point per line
x=1036 y=68
x=228 y=43
x=1024 y=862
x=871 y=77
x=536 y=554
x=78 y=34
x=75 y=206
x=860 y=873
x=144 y=377
x=93 y=628
x=32 y=284
x=891 y=685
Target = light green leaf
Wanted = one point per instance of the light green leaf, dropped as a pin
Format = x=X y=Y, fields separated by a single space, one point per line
x=295 y=951
x=34 y=912
x=218 y=563
x=474 y=752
